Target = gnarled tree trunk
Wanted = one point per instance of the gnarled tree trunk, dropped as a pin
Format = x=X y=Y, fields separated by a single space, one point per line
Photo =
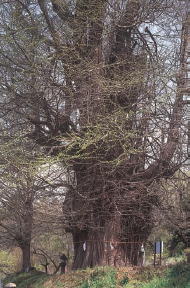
x=108 y=223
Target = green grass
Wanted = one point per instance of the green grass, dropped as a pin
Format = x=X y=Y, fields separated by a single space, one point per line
x=8 y=261
x=177 y=276
x=101 y=278
x=26 y=280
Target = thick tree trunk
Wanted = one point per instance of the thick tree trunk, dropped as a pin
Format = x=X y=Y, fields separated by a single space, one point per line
x=97 y=248
x=115 y=242
x=109 y=223
x=26 y=260
x=25 y=241
x=88 y=249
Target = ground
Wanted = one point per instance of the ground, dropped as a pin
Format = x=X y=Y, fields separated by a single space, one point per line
x=177 y=276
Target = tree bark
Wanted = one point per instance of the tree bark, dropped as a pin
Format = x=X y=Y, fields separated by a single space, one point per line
x=188 y=258
x=26 y=259
x=25 y=240
x=98 y=247
x=103 y=234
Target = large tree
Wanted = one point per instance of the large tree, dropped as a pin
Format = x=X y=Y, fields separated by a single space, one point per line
x=92 y=82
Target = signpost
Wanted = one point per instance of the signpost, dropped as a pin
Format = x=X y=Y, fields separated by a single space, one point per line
x=158 y=250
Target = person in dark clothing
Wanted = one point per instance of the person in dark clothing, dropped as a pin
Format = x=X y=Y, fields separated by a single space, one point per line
x=63 y=263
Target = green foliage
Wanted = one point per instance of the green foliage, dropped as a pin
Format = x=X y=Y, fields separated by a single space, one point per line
x=7 y=261
x=100 y=278
x=54 y=243
x=187 y=251
x=108 y=140
x=23 y=280
x=106 y=277
x=175 y=260
x=124 y=281
x=179 y=249
x=176 y=277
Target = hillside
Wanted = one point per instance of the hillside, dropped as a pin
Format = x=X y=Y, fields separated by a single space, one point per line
x=177 y=276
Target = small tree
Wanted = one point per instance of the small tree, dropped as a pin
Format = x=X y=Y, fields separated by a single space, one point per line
x=23 y=185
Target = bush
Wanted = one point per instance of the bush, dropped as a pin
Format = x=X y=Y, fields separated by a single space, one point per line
x=101 y=278
x=124 y=281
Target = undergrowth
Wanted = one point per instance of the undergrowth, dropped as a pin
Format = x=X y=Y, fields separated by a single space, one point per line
x=101 y=278
x=177 y=276
x=27 y=280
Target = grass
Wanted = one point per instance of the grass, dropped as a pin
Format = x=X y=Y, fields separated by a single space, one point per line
x=101 y=278
x=177 y=276
x=27 y=280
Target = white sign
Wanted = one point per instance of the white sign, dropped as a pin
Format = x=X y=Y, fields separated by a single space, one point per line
x=84 y=246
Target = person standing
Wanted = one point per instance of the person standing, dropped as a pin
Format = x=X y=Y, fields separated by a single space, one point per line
x=63 y=263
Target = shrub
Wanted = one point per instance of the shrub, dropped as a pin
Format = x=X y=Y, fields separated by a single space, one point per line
x=101 y=278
